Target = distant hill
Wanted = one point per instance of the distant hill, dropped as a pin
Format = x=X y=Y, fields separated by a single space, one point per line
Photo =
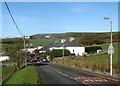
x=39 y=36
x=86 y=38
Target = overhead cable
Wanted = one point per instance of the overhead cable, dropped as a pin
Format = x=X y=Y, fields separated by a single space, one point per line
x=12 y=18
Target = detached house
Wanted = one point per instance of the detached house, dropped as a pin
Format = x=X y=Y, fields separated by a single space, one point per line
x=72 y=46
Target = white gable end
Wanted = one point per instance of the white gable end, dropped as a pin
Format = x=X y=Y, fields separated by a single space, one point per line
x=77 y=50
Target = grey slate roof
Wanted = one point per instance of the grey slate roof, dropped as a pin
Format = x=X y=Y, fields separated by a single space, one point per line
x=67 y=44
x=73 y=44
x=57 y=44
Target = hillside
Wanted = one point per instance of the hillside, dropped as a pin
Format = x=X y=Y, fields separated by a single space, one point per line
x=85 y=38
x=81 y=37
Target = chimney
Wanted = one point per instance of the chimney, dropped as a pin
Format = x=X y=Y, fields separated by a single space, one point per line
x=71 y=39
x=62 y=40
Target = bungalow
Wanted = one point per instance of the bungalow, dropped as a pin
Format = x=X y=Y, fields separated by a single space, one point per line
x=72 y=46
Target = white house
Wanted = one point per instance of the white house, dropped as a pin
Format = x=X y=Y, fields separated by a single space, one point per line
x=72 y=46
x=48 y=36
x=27 y=37
x=77 y=50
x=39 y=47
x=3 y=58
x=29 y=49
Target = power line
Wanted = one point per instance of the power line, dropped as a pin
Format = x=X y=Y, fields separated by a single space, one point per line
x=12 y=18
x=17 y=29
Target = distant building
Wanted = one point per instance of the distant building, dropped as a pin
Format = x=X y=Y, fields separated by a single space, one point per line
x=3 y=58
x=48 y=36
x=27 y=37
x=39 y=47
x=29 y=49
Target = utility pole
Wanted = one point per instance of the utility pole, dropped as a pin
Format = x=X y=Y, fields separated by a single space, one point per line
x=110 y=49
x=1 y=73
x=25 y=51
x=63 y=47
x=63 y=40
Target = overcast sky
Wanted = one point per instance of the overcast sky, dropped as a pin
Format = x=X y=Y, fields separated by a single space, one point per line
x=58 y=17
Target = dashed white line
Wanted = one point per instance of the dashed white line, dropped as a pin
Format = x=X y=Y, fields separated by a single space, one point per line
x=70 y=77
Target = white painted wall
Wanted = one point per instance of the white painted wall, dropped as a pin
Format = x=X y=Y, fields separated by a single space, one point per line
x=42 y=51
x=2 y=58
x=77 y=50
x=31 y=49
x=39 y=47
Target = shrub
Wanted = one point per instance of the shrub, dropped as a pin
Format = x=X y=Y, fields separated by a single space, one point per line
x=59 y=53
x=92 y=49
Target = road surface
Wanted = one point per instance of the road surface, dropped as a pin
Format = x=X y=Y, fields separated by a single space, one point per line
x=56 y=74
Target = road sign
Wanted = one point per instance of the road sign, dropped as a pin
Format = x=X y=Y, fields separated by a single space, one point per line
x=110 y=49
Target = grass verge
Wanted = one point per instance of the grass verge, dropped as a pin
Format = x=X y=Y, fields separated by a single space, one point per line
x=24 y=76
x=96 y=63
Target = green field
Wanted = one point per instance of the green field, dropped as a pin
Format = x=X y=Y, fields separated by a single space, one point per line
x=43 y=42
x=27 y=75
x=105 y=57
x=94 y=62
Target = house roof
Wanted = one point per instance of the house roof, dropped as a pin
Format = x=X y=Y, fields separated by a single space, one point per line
x=57 y=44
x=67 y=44
x=73 y=44
x=44 y=48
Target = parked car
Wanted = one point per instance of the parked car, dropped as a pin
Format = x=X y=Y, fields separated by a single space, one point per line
x=45 y=59
x=5 y=65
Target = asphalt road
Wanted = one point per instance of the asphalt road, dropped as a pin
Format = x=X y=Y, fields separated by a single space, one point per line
x=56 y=74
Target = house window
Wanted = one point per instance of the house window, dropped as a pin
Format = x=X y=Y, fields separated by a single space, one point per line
x=73 y=50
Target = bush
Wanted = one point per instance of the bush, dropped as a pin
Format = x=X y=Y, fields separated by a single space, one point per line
x=92 y=49
x=59 y=53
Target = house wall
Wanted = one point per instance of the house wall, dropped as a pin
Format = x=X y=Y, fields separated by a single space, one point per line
x=39 y=47
x=77 y=50
x=31 y=49
x=2 y=58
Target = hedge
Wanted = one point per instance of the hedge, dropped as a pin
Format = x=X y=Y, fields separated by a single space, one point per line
x=59 y=53
x=92 y=49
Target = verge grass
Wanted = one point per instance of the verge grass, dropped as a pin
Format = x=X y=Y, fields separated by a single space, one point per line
x=98 y=62
x=27 y=75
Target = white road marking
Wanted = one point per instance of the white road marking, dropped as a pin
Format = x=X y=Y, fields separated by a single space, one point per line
x=70 y=76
